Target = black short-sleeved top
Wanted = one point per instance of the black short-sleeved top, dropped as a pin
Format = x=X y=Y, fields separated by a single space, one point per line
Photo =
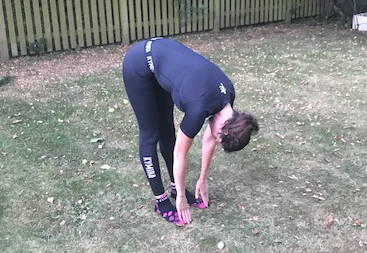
x=197 y=86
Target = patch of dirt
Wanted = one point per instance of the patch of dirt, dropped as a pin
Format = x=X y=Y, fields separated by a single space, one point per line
x=32 y=73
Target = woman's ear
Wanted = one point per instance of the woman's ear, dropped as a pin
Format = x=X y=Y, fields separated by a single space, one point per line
x=224 y=132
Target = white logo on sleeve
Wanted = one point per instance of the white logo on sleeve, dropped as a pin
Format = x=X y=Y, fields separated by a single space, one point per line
x=222 y=89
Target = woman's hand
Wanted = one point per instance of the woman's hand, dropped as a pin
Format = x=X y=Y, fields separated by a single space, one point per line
x=183 y=209
x=202 y=191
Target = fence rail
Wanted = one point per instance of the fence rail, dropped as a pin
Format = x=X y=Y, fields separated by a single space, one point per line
x=34 y=26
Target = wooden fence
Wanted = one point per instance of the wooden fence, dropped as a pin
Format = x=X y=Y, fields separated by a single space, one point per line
x=36 y=26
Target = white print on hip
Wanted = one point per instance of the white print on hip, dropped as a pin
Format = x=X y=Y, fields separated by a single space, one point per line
x=148 y=166
x=222 y=89
x=150 y=63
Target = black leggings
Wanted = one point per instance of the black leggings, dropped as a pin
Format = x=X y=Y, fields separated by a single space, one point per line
x=153 y=107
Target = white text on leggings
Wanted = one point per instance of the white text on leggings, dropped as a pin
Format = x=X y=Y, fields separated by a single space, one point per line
x=148 y=163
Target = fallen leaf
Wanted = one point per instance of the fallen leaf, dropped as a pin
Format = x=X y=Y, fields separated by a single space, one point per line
x=357 y=223
x=51 y=200
x=105 y=167
x=221 y=245
x=17 y=121
x=255 y=218
x=95 y=140
x=279 y=136
x=329 y=221
x=318 y=197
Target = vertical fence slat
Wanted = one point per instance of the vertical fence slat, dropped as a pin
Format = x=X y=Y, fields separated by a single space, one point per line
x=116 y=22
x=4 y=51
x=47 y=25
x=79 y=23
x=221 y=13
x=176 y=17
x=242 y=13
x=302 y=9
x=164 y=18
x=183 y=17
x=151 y=18
x=252 y=11
x=87 y=25
x=171 y=25
x=247 y=12
x=102 y=21
x=109 y=17
x=200 y=15
x=188 y=15
x=261 y=11
x=63 y=28
x=55 y=25
x=158 y=18
x=317 y=7
x=29 y=21
x=124 y=22
x=20 y=27
x=71 y=23
x=276 y=10
x=271 y=10
x=37 y=19
x=232 y=13
x=285 y=9
x=238 y=12
x=211 y=14
x=194 y=15
x=206 y=14
x=227 y=13
x=11 y=28
x=94 y=13
x=146 y=18
x=139 y=19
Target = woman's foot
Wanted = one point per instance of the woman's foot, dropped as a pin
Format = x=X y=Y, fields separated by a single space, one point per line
x=196 y=202
x=168 y=211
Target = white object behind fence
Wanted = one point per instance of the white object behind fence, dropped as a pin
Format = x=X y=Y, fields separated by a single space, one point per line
x=360 y=22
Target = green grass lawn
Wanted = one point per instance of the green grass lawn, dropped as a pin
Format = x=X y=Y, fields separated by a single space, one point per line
x=71 y=180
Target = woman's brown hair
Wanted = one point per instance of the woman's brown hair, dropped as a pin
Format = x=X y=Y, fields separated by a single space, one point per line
x=237 y=131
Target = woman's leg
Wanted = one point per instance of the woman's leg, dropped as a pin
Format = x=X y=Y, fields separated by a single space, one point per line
x=142 y=89
x=167 y=134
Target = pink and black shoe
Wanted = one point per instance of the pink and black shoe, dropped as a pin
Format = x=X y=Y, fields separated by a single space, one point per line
x=195 y=202
x=164 y=208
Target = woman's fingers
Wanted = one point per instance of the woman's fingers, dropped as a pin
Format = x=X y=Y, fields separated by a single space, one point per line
x=205 y=198
x=186 y=216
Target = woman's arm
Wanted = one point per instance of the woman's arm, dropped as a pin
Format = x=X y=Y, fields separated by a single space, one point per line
x=182 y=146
x=208 y=147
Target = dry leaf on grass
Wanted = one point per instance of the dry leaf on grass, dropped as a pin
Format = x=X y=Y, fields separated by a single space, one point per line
x=221 y=245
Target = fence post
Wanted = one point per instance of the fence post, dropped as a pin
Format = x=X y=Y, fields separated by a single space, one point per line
x=4 y=52
x=289 y=11
x=216 y=15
